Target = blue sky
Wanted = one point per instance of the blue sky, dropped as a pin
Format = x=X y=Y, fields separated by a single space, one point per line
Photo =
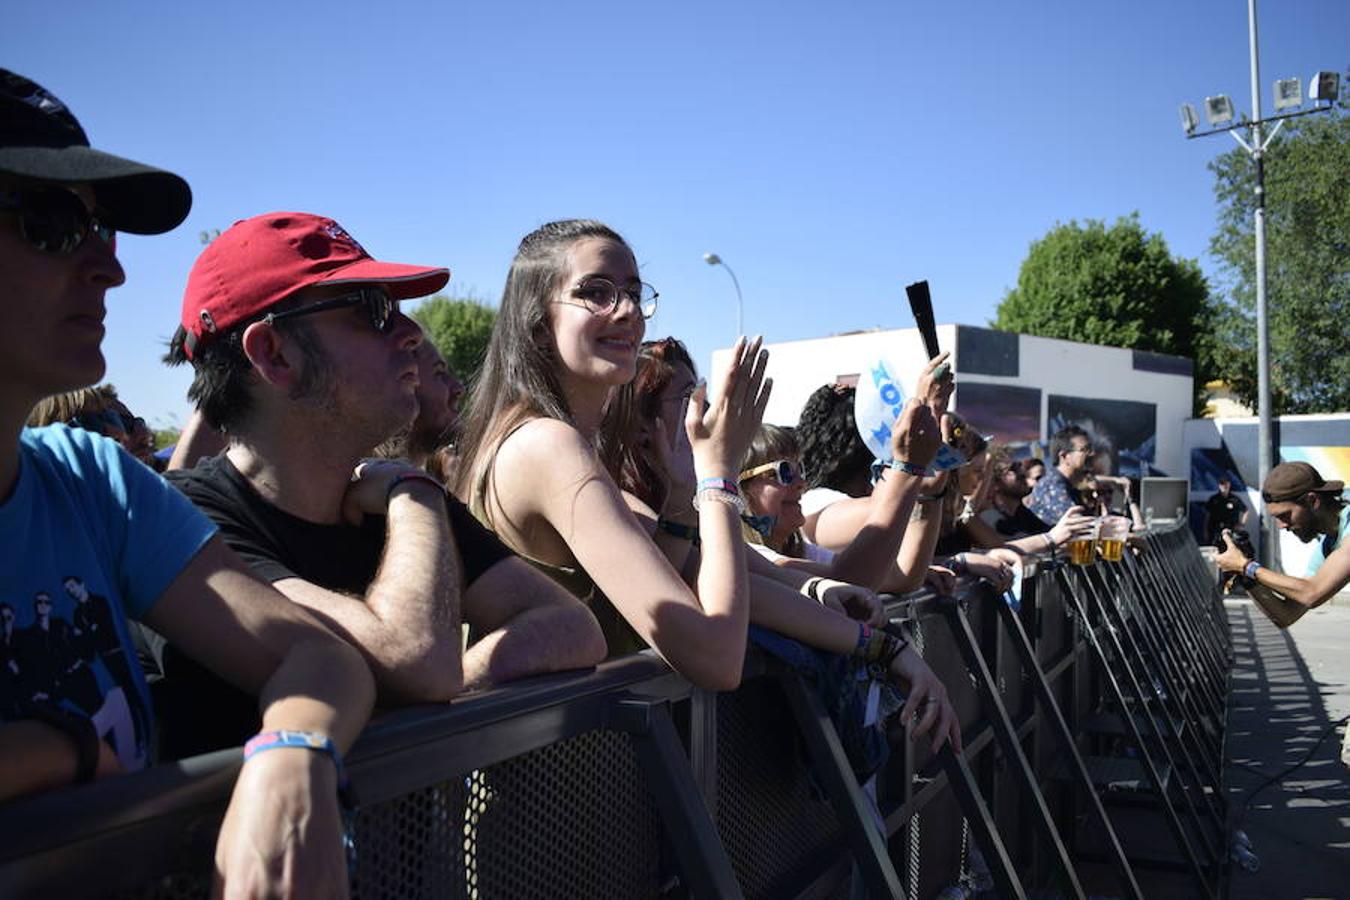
x=830 y=153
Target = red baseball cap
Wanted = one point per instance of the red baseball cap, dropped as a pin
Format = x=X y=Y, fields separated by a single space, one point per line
x=261 y=261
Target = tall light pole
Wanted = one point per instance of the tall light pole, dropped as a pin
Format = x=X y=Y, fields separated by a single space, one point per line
x=713 y=259
x=1219 y=112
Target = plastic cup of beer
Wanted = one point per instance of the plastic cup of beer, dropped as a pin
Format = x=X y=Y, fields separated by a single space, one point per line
x=1111 y=534
x=1082 y=549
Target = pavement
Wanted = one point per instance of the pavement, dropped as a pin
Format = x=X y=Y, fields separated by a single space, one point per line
x=1288 y=690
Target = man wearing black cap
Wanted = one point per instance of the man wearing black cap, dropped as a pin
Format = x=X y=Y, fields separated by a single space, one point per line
x=75 y=507
x=1311 y=508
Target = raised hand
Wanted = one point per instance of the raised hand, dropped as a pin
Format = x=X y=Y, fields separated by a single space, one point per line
x=915 y=436
x=934 y=388
x=720 y=431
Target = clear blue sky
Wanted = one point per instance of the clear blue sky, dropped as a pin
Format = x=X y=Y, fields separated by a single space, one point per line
x=830 y=153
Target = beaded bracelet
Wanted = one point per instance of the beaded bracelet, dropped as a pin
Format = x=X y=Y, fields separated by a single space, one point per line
x=721 y=495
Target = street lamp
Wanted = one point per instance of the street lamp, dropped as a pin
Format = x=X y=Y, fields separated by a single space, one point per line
x=1324 y=87
x=713 y=259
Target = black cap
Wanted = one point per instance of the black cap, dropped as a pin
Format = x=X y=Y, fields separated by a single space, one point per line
x=40 y=139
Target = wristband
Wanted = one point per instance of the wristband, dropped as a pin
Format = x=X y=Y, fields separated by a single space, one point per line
x=306 y=740
x=720 y=495
x=410 y=476
x=719 y=484
x=811 y=587
x=78 y=728
x=1049 y=542
x=864 y=635
x=684 y=532
x=958 y=564
x=903 y=465
x=1250 y=569
x=891 y=648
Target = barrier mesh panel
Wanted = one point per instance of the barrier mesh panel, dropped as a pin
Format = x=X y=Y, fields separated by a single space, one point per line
x=778 y=829
x=573 y=819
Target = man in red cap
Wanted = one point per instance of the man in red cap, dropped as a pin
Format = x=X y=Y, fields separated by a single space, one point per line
x=302 y=358
x=96 y=539
x=1312 y=509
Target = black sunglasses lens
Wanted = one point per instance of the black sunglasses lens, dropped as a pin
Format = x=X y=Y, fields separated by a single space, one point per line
x=54 y=221
x=381 y=307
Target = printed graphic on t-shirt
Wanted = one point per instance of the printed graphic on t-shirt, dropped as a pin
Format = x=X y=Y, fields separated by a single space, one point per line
x=61 y=648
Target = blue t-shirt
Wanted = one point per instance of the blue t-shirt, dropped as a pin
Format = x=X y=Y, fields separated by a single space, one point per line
x=90 y=538
x=1330 y=543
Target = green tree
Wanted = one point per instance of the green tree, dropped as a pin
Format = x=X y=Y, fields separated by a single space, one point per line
x=1115 y=285
x=460 y=328
x=166 y=437
x=1307 y=183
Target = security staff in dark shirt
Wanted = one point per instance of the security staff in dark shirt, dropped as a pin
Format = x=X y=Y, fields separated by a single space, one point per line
x=1223 y=510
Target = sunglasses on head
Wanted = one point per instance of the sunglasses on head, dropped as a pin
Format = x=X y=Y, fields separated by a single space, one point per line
x=783 y=470
x=379 y=306
x=54 y=219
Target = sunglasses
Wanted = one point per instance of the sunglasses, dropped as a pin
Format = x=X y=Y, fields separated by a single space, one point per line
x=785 y=472
x=53 y=219
x=380 y=307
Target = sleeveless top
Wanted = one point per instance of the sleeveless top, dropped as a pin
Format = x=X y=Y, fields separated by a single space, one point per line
x=620 y=638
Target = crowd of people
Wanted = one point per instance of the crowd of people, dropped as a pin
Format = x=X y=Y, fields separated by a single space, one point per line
x=333 y=532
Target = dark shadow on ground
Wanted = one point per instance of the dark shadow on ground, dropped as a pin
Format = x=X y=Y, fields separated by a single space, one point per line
x=1288 y=689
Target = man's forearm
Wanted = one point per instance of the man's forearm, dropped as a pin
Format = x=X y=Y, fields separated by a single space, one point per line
x=1280 y=610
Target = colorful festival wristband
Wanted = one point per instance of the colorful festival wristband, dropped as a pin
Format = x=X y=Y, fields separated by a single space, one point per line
x=306 y=740
x=1251 y=568
x=719 y=484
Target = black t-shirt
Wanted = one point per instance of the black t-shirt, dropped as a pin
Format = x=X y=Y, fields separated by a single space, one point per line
x=1020 y=524
x=198 y=711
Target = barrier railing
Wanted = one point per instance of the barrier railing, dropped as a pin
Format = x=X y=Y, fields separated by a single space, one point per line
x=1106 y=683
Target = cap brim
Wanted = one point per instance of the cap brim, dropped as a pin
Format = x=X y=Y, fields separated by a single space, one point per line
x=136 y=198
x=404 y=282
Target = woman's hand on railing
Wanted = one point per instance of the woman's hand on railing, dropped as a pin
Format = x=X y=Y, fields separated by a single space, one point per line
x=941 y=579
x=855 y=601
x=927 y=708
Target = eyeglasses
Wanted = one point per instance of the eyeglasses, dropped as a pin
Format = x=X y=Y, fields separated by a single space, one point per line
x=784 y=471
x=1087 y=449
x=600 y=295
x=54 y=220
x=379 y=306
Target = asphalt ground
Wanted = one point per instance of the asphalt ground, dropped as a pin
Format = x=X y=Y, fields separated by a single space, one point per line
x=1288 y=690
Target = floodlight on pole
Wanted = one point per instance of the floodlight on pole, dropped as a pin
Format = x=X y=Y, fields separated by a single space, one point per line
x=1218 y=110
x=1189 y=119
x=1324 y=87
x=713 y=259
x=1288 y=94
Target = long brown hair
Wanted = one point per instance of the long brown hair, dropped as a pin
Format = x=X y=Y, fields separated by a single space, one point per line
x=519 y=377
x=639 y=403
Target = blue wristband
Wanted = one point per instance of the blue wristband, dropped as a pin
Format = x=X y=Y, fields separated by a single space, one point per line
x=307 y=740
x=718 y=484
x=903 y=465
x=1251 y=568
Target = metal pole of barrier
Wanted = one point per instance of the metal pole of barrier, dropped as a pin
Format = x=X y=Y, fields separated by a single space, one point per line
x=1185 y=693
x=830 y=764
x=1199 y=695
x=1067 y=745
x=702 y=859
x=1172 y=606
x=1006 y=733
x=1113 y=635
x=1165 y=695
x=982 y=828
x=1174 y=823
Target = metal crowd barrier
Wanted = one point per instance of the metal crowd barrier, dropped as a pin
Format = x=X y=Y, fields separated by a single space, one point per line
x=1095 y=704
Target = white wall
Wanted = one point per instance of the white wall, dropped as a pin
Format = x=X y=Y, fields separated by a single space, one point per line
x=1053 y=366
